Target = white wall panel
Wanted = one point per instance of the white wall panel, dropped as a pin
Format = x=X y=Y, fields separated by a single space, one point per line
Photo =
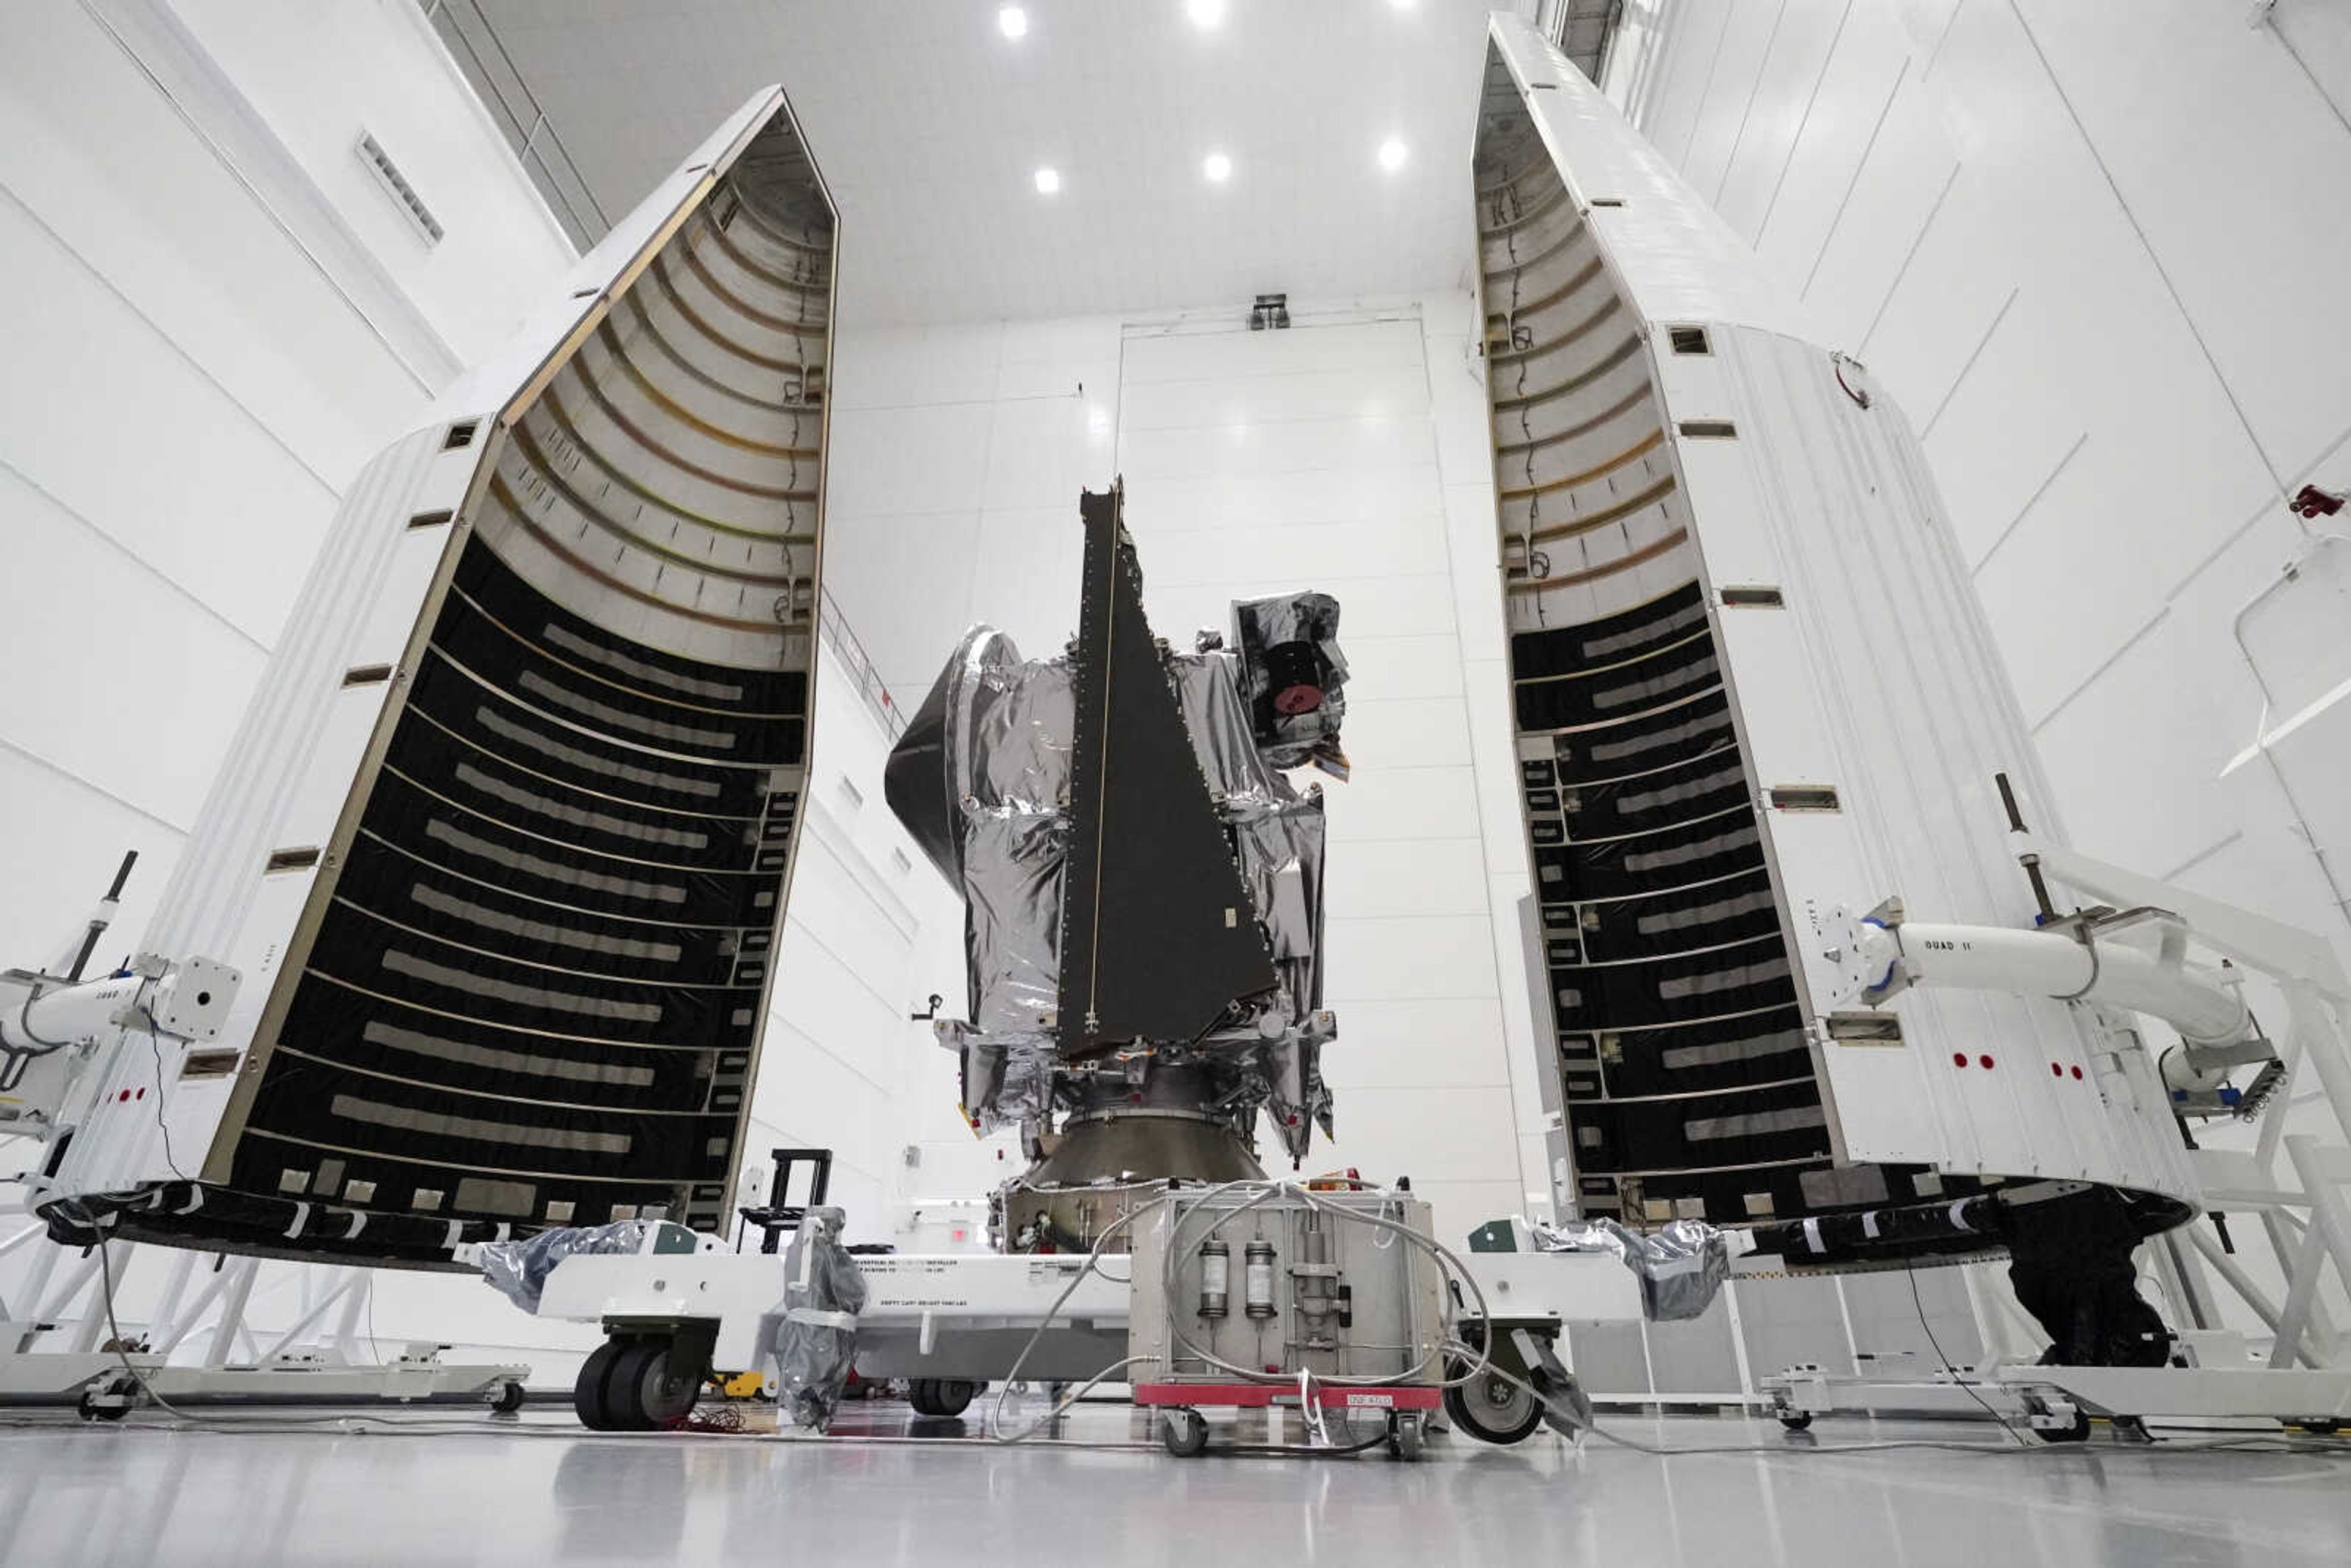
x=907 y=366
x=320 y=75
x=1896 y=190
x=1194 y=355
x=218 y=502
x=1852 y=93
x=189 y=386
x=1378 y=392
x=1308 y=496
x=1785 y=88
x=2265 y=165
x=1427 y=666
x=162 y=762
x=1403 y=547
x=1416 y=804
x=1378 y=443
x=1403 y=1044
x=1732 y=67
x=2091 y=246
x=921 y=457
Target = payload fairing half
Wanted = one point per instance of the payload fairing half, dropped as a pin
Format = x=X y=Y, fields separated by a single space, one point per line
x=1751 y=683
x=503 y=846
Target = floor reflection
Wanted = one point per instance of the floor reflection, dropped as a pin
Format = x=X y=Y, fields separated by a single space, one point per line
x=887 y=1485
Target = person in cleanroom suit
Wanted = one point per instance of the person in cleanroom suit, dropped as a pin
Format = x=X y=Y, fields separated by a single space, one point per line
x=823 y=1293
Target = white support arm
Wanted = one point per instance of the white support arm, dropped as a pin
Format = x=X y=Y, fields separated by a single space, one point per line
x=2196 y=1001
x=186 y=1001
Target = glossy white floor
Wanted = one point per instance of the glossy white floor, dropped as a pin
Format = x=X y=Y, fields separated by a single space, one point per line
x=533 y=1489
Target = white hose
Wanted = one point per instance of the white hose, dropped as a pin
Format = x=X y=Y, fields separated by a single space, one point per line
x=2190 y=998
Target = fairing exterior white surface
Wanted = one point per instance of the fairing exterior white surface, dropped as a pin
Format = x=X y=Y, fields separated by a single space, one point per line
x=1873 y=676
x=601 y=547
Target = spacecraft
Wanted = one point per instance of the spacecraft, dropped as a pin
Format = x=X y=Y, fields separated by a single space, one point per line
x=1143 y=887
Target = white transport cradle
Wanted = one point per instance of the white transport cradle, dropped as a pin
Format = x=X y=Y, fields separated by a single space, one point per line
x=2139 y=959
x=962 y=1320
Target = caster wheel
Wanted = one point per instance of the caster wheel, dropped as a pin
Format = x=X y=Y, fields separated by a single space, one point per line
x=89 y=1409
x=1405 y=1436
x=505 y=1398
x=588 y=1390
x=646 y=1389
x=2079 y=1432
x=1492 y=1408
x=1185 y=1432
x=952 y=1395
x=1797 y=1422
x=923 y=1394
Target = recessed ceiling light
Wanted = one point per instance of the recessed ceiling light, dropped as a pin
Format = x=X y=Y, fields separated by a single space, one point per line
x=1205 y=13
x=1216 y=167
x=1012 y=22
x=1048 y=181
x=1391 y=154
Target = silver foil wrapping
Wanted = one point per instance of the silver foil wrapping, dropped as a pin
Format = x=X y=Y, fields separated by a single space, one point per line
x=1006 y=758
x=1681 y=1266
x=519 y=1270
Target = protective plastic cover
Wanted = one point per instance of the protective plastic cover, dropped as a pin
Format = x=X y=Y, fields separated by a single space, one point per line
x=519 y=1270
x=817 y=1343
x=1681 y=1266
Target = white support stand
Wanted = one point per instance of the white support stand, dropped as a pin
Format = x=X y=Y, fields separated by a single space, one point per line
x=56 y=1346
x=2294 y=1186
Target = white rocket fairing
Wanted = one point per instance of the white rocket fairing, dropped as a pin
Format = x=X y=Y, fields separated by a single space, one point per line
x=503 y=846
x=1753 y=693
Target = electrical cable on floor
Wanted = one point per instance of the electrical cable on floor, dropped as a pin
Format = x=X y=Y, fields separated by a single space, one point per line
x=1475 y=1356
x=1911 y=1272
x=996 y=1412
x=113 y=1325
x=2262 y=1442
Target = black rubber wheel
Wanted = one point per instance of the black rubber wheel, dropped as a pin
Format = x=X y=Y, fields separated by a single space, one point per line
x=1797 y=1422
x=89 y=1409
x=1185 y=1432
x=952 y=1395
x=648 y=1390
x=1404 y=1435
x=505 y=1398
x=587 y=1399
x=1492 y=1408
x=923 y=1394
x=2079 y=1432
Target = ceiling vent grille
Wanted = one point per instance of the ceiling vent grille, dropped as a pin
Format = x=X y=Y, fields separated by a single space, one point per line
x=395 y=183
